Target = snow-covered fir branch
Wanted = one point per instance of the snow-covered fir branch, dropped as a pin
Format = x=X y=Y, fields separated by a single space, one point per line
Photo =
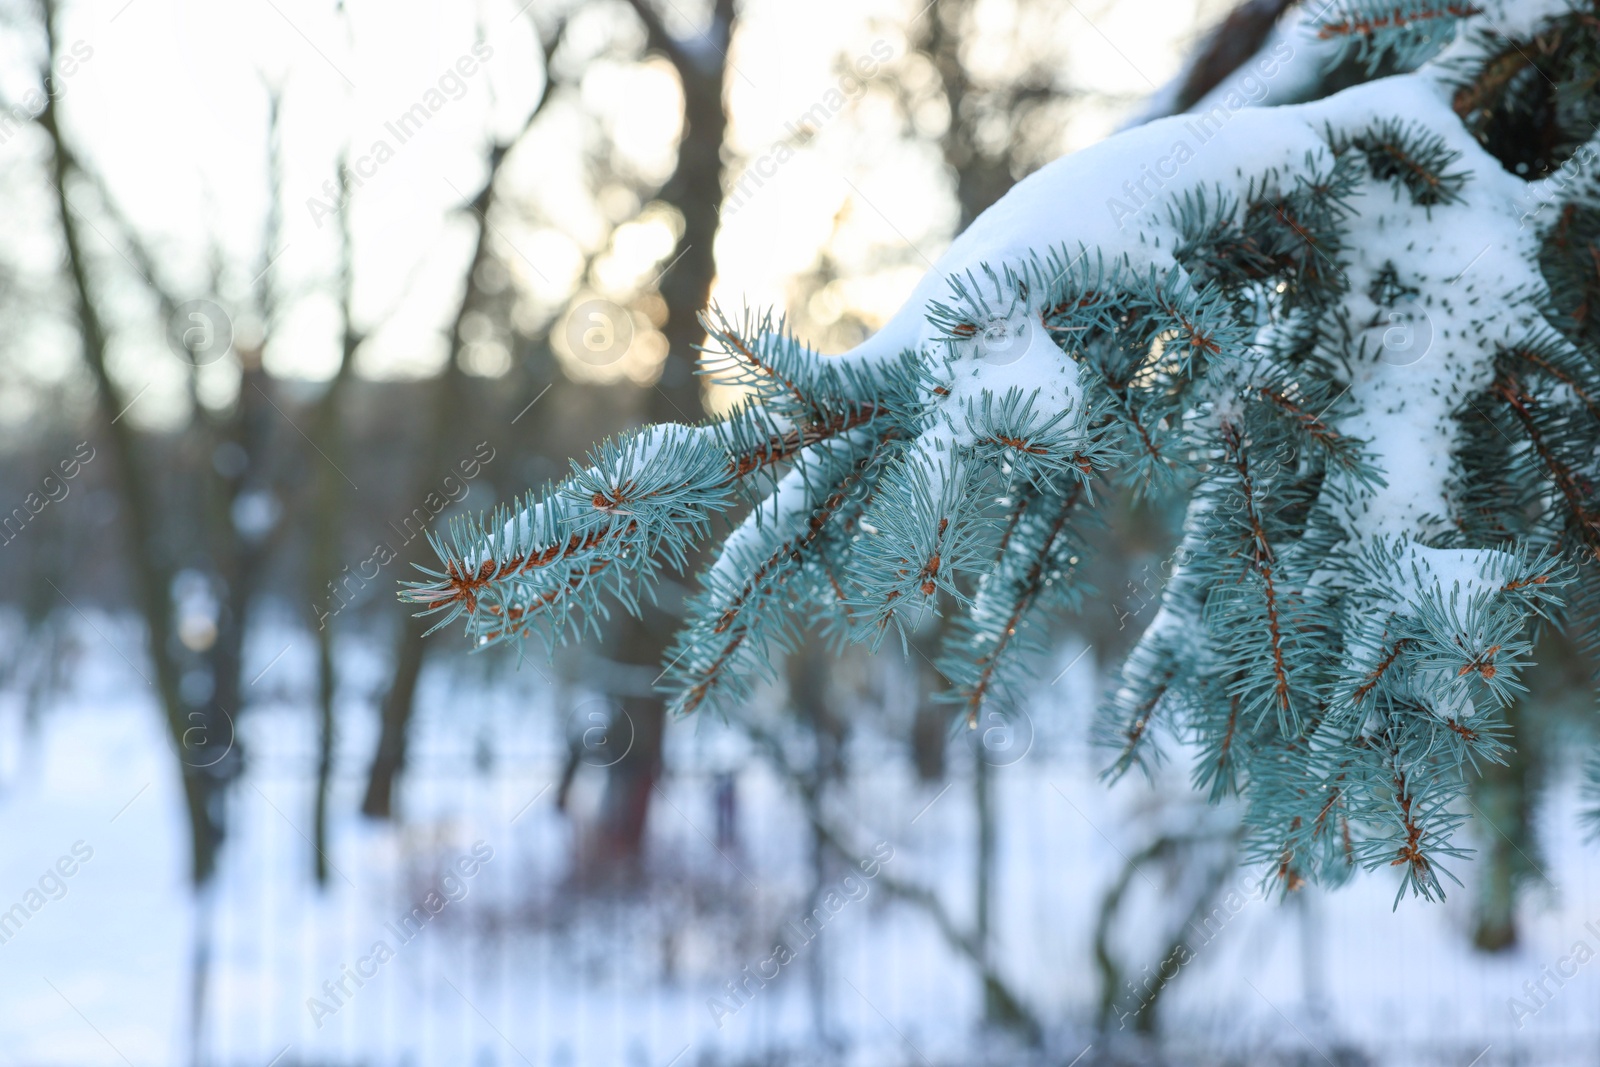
x=1356 y=334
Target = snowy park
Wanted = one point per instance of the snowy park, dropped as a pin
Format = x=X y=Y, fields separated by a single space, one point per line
x=732 y=533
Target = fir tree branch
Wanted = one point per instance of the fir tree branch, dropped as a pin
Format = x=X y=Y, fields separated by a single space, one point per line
x=1567 y=482
x=1262 y=560
x=1394 y=16
x=1023 y=596
x=465 y=580
x=1364 y=552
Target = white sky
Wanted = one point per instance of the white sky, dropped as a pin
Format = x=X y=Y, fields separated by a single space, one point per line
x=171 y=107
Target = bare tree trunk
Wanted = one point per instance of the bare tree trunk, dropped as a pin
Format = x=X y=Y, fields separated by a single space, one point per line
x=981 y=178
x=327 y=682
x=394 y=718
x=442 y=421
x=983 y=789
x=1236 y=40
x=808 y=693
x=695 y=189
x=329 y=483
x=323 y=571
x=1504 y=794
x=203 y=787
x=411 y=649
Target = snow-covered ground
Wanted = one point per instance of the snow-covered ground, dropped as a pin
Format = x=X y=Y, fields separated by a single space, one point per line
x=511 y=968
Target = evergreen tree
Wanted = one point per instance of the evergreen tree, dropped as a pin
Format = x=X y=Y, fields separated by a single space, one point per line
x=1354 y=335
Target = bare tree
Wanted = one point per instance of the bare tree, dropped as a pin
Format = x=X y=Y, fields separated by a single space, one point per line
x=198 y=725
x=441 y=435
x=695 y=191
x=327 y=505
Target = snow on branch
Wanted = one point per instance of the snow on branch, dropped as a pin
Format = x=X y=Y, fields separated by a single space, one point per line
x=1334 y=329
